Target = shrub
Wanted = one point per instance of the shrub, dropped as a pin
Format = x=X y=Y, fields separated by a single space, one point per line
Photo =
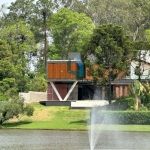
x=13 y=107
x=123 y=117
x=2 y=97
x=142 y=108
x=148 y=106
x=146 y=99
x=122 y=103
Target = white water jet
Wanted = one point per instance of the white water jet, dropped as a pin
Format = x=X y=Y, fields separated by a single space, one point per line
x=94 y=131
x=94 y=127
x=97 y=93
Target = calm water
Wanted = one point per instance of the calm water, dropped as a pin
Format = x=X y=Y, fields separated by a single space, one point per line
x=71 y=140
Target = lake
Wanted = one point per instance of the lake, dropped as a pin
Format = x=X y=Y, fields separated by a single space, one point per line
x=14 y=139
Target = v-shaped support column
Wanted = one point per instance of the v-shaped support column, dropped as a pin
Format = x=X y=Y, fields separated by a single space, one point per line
x=68 y=94
x=71 y=89
x=56 y=91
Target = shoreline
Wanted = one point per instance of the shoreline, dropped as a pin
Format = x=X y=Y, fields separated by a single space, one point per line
x=62 y=118
x=111 y=128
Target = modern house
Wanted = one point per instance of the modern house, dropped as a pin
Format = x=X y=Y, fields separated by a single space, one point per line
x=68 y=80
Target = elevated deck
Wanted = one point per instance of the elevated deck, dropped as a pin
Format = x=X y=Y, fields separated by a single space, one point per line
x=82 y=104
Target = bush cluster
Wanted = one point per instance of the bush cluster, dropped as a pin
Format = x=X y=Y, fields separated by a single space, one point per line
x=127 y=103
x=146 y=101
x=123 y=103
x=13 y=108
x=121 y=111
x=123 y=117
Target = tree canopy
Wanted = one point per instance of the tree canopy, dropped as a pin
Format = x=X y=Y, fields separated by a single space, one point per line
x=112 y=50
x=70 y=32
x=34 y=31
x=132 y=15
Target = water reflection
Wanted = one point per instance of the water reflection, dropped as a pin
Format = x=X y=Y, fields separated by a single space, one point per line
x=71 y=140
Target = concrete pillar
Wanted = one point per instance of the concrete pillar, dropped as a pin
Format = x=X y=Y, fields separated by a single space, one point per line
x=74 y=93
x=103 y=93
x=121 y=91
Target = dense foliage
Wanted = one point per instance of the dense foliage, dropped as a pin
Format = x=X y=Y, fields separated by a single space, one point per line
x=123 y=103
x=121 y=111
x=146 y=100
x=123 y=117
x=70 y=32
x=34 y=31
x=13 y=108
x=113 y=52
x=37 y=30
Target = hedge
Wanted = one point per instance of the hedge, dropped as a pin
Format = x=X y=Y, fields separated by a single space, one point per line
x=122 y=117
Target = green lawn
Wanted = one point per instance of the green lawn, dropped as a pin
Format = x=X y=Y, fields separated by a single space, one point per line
x=62 y=118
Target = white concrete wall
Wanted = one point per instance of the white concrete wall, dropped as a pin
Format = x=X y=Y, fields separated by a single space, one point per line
x=145 y=67
x=32 y=96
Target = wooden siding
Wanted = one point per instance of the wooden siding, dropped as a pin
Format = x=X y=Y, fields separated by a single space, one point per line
x=59 y=71
x=62 y=89
x=88 y=77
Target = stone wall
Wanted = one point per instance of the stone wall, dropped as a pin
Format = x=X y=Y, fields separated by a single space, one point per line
x=32 y=96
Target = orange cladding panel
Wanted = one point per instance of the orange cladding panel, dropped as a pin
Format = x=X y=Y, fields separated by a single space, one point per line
x=50 y=71
x=74 y=68
x=57 y=68
x=60 y=71
x=63 y=70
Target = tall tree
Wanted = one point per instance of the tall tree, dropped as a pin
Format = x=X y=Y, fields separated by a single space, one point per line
x=22 y=9
x=44 y=9
x=22 y=45
x=140 y=18
x=112 y=50
x=70 y=31
x=132 y=15
x=36 y=14
x=7 y=70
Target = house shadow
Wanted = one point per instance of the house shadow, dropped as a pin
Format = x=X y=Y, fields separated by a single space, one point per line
x=15 y=124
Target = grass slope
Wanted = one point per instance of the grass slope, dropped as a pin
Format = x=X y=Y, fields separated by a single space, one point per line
x=51 y=117
x=62 y=118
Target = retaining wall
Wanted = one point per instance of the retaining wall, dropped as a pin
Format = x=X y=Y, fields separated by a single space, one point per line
x=32 y=96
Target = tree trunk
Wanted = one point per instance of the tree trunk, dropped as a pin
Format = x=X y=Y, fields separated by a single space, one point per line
x=109 y=92
x=2 y=121
x=45 y=40
x=136 y=103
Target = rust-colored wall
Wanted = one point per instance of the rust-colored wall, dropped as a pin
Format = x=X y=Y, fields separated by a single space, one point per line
x=121 y=90
x=59 y=71
x=88 y=77
x=117 y=90
x=62 y=89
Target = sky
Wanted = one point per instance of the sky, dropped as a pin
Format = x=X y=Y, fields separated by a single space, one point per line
x=8 y=2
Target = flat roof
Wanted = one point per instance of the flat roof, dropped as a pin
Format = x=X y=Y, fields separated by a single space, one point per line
x=121 y=82
x=62 y=61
